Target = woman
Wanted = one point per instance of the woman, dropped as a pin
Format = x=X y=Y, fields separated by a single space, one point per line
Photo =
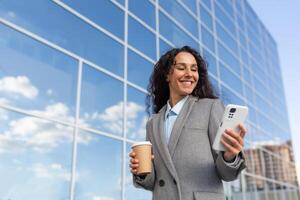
x=182 y=129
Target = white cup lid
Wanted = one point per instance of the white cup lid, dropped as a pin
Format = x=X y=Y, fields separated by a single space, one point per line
x=141 y=143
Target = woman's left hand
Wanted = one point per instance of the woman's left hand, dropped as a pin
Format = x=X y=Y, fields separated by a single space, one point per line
x=233 y=142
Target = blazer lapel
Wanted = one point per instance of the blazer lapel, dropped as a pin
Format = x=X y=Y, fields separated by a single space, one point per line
x=179 y=124
x=160 y=139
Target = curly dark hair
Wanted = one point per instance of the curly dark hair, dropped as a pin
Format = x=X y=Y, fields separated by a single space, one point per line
x=158 y=87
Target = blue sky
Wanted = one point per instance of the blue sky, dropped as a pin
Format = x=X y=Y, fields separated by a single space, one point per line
x=281 y=18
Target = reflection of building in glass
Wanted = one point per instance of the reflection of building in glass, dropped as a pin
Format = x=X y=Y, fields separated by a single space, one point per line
x=73 y=78
x=281 y=168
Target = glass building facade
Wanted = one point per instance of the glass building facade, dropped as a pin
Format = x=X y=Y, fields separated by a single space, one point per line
x=73 y=78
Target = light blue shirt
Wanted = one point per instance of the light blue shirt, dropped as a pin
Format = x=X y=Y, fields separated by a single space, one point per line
x=171 y=116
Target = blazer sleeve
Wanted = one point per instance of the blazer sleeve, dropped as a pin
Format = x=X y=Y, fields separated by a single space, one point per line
x=148 y=181
x=226 y=172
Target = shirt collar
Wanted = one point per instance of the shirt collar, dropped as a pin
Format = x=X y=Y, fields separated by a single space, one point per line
x=177 y=108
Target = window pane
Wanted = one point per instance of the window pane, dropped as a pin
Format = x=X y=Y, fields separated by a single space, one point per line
x=136 y=37
x=139 y=69
x=207 y=39
x=228 y=58
x=99 y=166
x=174 y=34
x=206 y=18
x=65 y=30
x=231 y=79
x=35 y=158
x=207 y=3
x=136 y=115
x=174 y=9
x=101 y=12
x=229 y=97
x=191 y=4
x=101 y=101
x=226 y=38
x=145 y=10
x=211 y=62
x=228 y=23
x=25 y=65
x=163 y=47
x=227 y=6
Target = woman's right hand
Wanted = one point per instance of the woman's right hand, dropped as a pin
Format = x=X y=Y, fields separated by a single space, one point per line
x=134 y=162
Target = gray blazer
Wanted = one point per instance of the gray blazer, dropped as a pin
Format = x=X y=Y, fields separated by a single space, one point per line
x=187 y=168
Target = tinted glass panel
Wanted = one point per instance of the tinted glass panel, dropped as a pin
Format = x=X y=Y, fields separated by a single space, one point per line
x=25 y=65
x=136 y=115
x=36 y=157
x=211 y=62
x=139 y=69
x=231 y=79
x=226 y=38
x=174 y=34
x=228 y=23
x=101 y=108
x=136 y=37
x=61 y=29
x=208 y=39
x=174 y=9
x=229 y=59
x=206 y=18
x=144 y=10
x=101 y=12
x=97 y=180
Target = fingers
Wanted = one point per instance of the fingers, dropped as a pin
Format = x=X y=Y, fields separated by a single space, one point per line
x=243 y=130
x=134 y=162
x=134 y=165
x=132 y=154
x=230 y=148
x=235 y=138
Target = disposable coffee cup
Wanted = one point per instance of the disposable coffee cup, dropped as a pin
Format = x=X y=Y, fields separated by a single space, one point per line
x=143 y=154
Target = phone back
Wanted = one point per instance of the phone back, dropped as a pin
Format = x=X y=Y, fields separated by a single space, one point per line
x=232 y=117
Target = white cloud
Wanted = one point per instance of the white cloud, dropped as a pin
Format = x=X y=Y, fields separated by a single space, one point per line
x=29 y=133
x=49 y=92
x=11 y=14
x=52 y=171
x=18 y=86
x=4 y=101
x=102 y=198
x=111 y=118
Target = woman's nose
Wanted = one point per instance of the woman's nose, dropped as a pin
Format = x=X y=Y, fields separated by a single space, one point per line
x=188 y=72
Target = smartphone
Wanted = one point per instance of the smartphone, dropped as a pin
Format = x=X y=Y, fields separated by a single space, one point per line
x=232 y=117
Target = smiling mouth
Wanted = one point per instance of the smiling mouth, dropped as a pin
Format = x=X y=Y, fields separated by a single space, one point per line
x=187 y=82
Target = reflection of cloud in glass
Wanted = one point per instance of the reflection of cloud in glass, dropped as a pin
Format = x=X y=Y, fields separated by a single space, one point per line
x=111 y=118
x=11 y=14
x=18 y=86
x=52 y=171
x=102 y=198
x=3 y=114
x=49 y=92
x=38 y=135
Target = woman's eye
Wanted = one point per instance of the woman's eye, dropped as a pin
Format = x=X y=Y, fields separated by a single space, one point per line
x=180 y=68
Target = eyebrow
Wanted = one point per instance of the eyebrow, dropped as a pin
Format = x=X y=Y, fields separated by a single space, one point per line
x=182 y=63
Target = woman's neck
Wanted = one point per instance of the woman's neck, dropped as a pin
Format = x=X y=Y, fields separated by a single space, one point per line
x=174 y=99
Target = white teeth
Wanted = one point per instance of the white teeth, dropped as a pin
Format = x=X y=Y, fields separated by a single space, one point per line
x=187 y=82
